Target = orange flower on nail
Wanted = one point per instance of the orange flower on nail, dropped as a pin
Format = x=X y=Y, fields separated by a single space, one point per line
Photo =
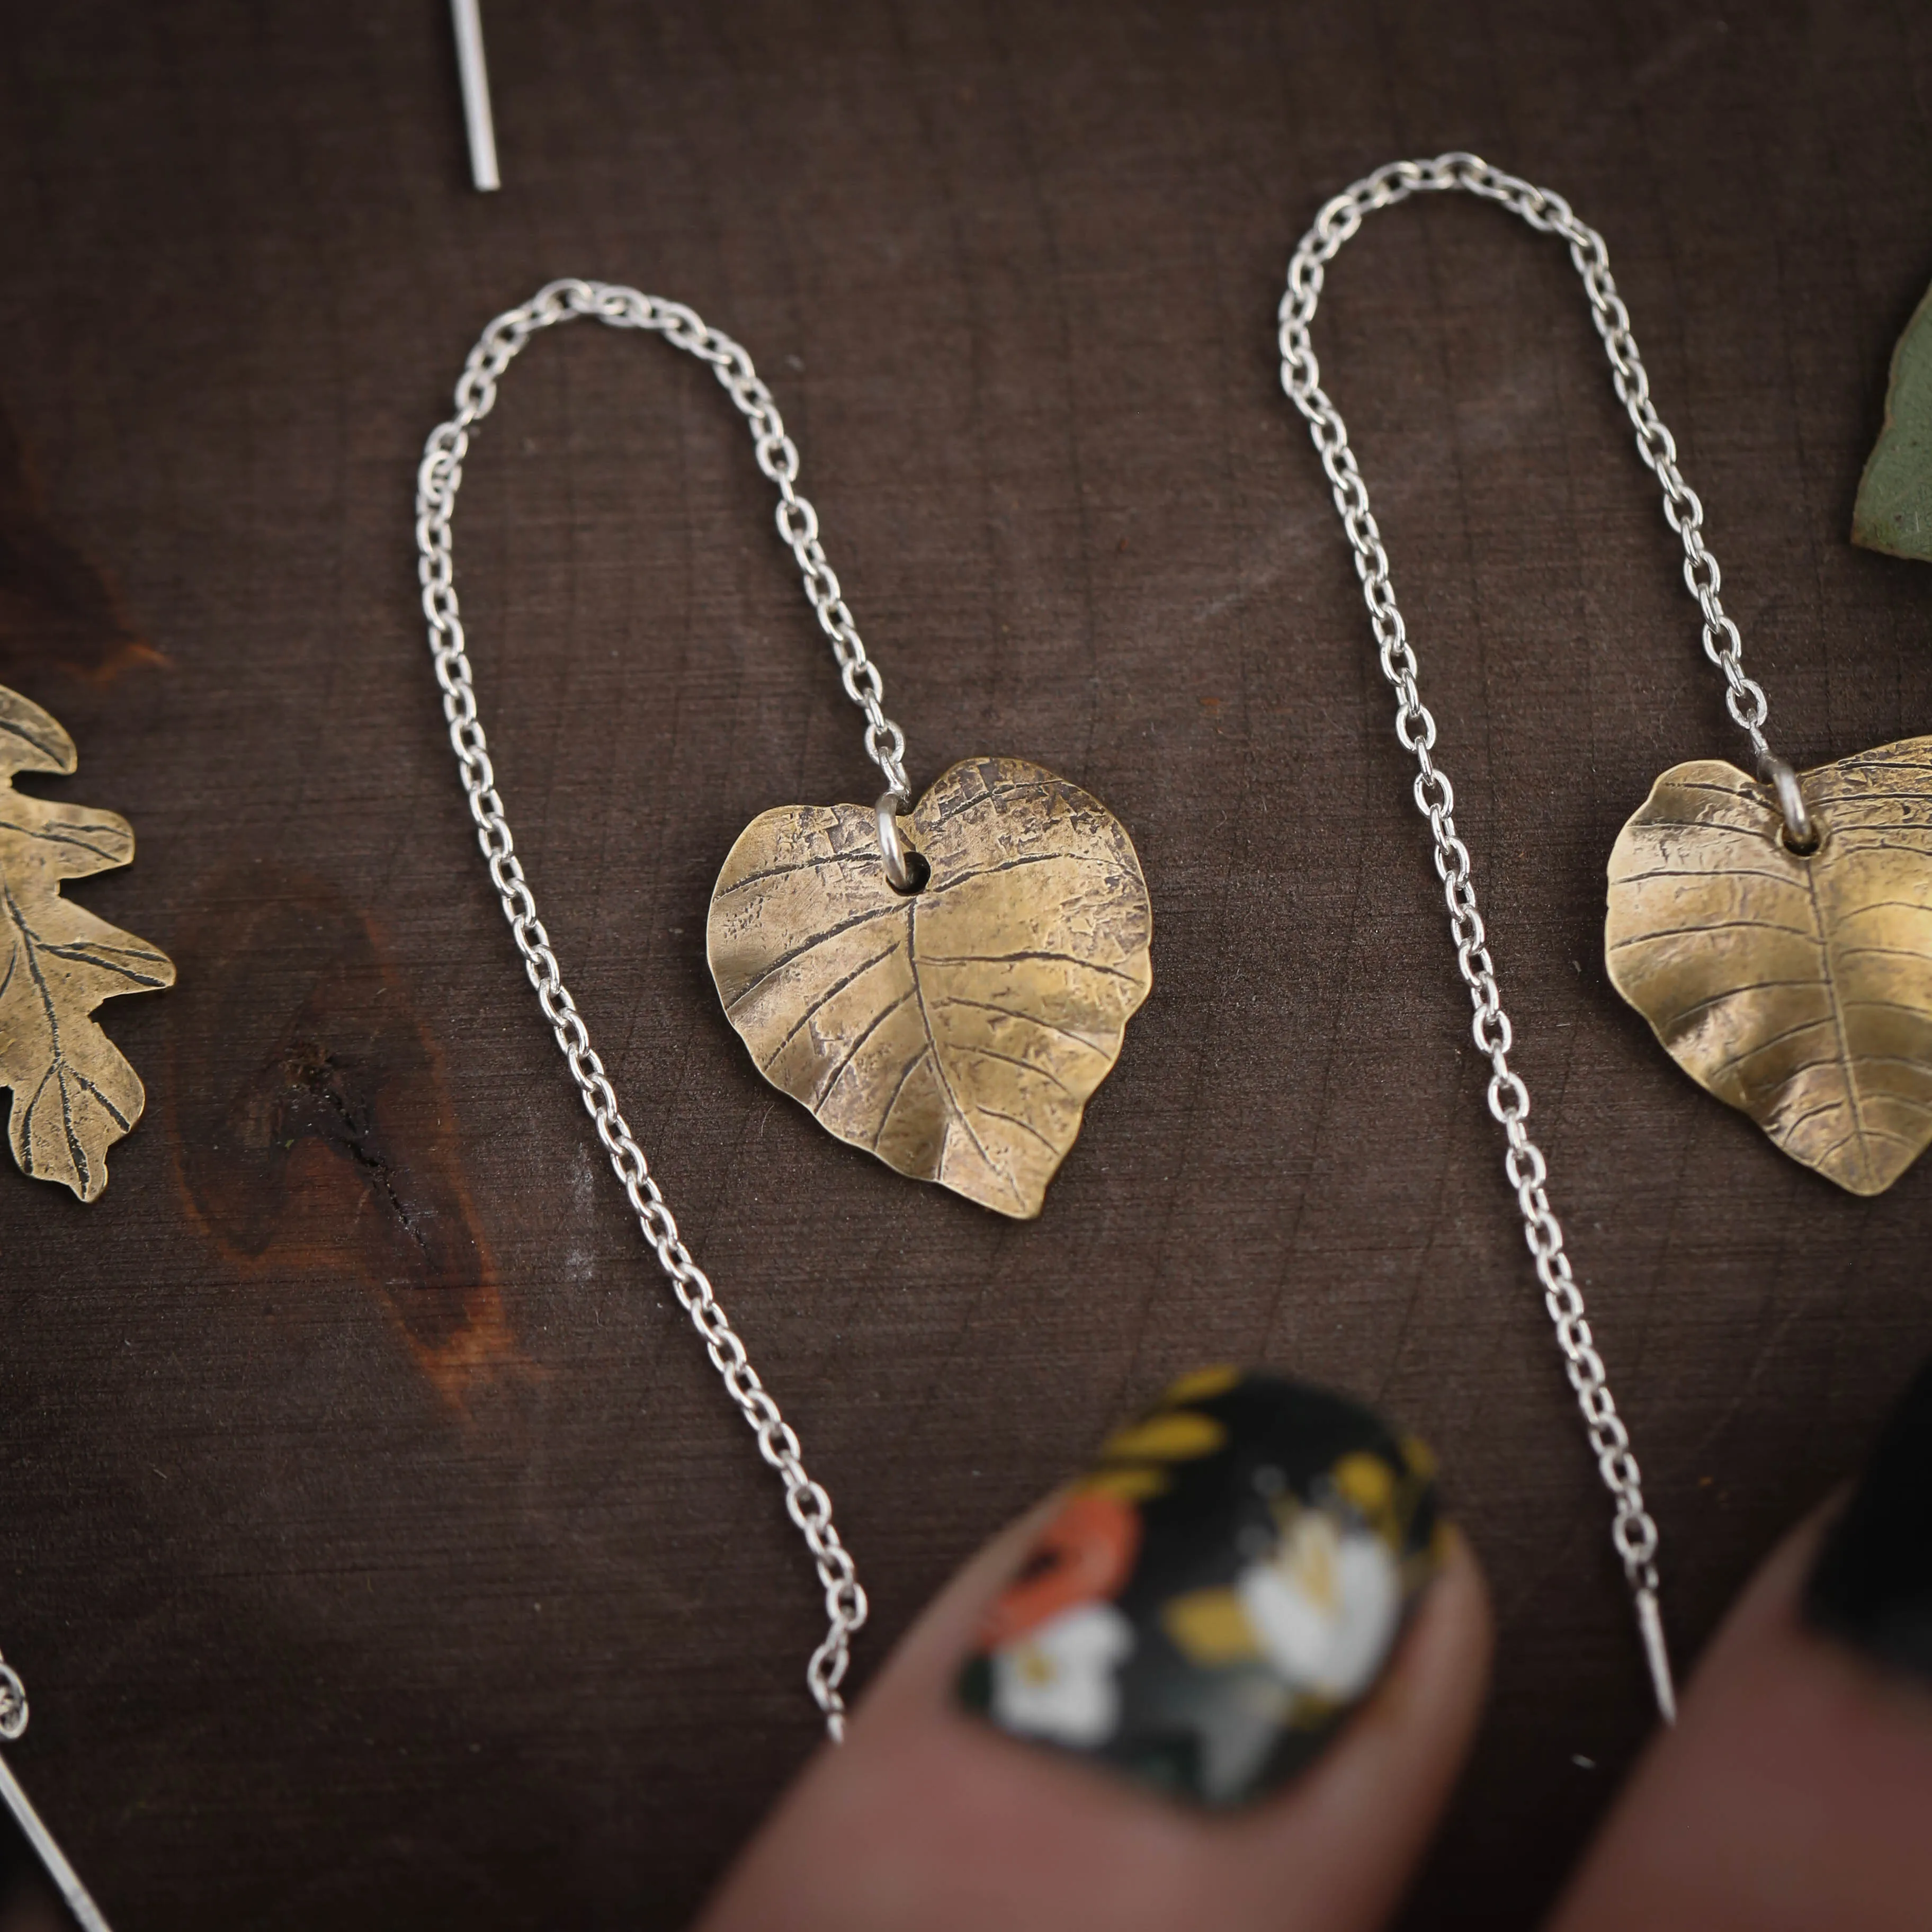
x=1085 y=1553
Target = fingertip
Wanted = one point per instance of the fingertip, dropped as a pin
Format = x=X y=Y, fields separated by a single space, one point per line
x=1088 y=1804
x=1793 y=1791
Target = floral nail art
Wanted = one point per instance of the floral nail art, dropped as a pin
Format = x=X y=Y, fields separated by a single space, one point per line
x=1218 y=1594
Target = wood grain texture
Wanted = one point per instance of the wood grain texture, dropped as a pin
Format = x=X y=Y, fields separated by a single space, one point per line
x=379 y=1547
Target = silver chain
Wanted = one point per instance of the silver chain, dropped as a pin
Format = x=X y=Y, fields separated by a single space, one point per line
x=1633 y=1532
x=438 y=479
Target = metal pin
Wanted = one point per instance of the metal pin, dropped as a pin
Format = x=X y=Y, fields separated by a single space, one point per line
x=1650 y=1622
x=475 y=79
x=67 y=1880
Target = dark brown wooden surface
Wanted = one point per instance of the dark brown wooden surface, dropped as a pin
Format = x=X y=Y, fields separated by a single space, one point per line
x=378 y=1547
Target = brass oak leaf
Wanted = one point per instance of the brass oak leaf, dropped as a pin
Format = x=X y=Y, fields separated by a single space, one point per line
x=957 y=1032
x=1797 y=988
x=73 y=1094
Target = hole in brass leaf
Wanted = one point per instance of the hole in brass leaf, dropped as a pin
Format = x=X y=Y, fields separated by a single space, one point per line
x=918 y=872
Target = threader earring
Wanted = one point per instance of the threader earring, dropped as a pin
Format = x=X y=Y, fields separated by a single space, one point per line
x=1775 y=931
x=943 y=984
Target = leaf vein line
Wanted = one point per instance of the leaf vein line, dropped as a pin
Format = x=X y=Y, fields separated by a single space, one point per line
x=817 y=939
x=859 y=857
x=1715 y=872
x=1703 y=825
x=1013 y=1060
x=1006 y=959
x=1886 y=952
x=939 y=1059
x=1718 y=925
x=28 y=938
x=1847 y=1071
x=993 y=1113
x=81 y=951
x=76 y=1152
x=987 y=794
x=824 y=999
x=45 y=750
x=1764 y=1046
x=1013 y=865
x=1883 y=905
x=26 y=1149
x=1026 y=1019
x=48 y=835
x=1734 y=993
x=1876 y=1133
x=120 y=1119
x=912 y=1067
x=852 y=1052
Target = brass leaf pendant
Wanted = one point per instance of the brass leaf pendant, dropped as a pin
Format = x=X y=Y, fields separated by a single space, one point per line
x=73 y=1094
x=1798 y=987
x=957 y=1032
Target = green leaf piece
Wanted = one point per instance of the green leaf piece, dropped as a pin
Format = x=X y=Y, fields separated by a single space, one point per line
x=1894 y=510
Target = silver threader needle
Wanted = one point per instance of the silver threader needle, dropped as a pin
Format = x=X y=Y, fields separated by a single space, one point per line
x=12 y=1724
x=67 y=1880
x=476 y=79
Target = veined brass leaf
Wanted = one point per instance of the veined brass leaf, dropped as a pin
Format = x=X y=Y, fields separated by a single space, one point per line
x=73 y=1094
x=1797 y=988
x=957 y=1032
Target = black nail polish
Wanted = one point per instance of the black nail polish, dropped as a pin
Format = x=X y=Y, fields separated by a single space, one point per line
x=1223 y=1587
x=1872 y=1585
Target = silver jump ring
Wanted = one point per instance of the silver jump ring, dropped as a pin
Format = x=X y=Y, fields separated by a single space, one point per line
x=1800 y=833
x=887 y=811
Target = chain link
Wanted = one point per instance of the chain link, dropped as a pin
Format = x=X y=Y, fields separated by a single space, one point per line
x=438 y=479
x=1633 y=1532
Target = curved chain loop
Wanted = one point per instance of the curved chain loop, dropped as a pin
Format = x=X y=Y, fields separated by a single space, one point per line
x=1633 y=1532
x=797 y=520
x=438 y=479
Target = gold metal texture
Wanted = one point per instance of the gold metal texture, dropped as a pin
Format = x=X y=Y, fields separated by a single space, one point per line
x=1796 y=987
x=956 y=1032
x=73 y=1094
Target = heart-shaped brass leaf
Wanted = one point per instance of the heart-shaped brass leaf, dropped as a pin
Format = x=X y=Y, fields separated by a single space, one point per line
x=957 y=1032
x=1797 y=988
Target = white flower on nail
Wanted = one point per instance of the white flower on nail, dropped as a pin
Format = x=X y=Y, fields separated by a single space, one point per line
x=1325 y=1606
x=1058 y=1680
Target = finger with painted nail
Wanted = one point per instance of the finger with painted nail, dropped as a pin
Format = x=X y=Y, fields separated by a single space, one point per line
x=1795 y=1793
x=1225 y=1678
